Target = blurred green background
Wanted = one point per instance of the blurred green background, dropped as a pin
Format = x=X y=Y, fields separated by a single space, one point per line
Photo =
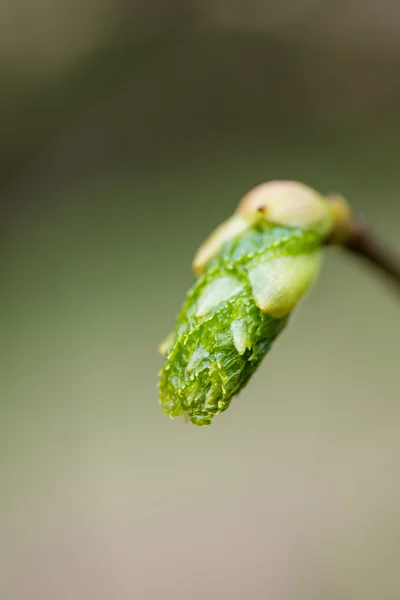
x=128 y=131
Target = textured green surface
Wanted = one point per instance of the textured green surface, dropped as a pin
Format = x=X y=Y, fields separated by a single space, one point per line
x=203 y=368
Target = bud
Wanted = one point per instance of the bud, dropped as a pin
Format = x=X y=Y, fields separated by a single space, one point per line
x=288 y=203
x=252 y=271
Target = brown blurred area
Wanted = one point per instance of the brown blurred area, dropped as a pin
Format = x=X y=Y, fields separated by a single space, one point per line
x=129 y=129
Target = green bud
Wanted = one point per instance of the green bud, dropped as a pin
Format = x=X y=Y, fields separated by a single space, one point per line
x=252 y=271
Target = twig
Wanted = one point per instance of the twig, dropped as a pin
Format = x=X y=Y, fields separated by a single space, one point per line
x=367 y=246
x=355 y=234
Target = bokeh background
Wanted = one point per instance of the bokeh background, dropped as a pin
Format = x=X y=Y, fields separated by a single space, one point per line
x=129 y=129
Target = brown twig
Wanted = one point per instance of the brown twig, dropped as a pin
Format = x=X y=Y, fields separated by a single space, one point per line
x=355 y=234
x=365 y=244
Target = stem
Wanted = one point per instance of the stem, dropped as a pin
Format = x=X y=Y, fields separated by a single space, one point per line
x=355 y=234
x=365 y=244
